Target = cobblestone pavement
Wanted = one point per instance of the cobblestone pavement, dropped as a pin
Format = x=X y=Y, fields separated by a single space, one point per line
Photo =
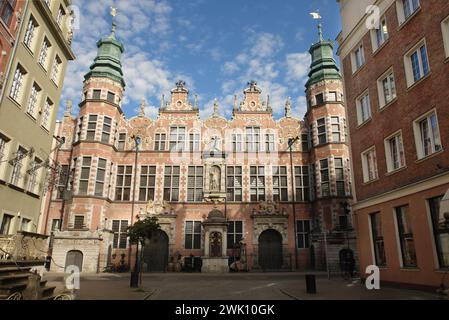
x=249 y=286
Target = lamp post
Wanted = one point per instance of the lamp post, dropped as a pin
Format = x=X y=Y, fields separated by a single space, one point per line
x=135 y=274
x=291 y=143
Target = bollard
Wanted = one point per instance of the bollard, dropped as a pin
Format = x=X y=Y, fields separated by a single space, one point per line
x=134 y=283
x=311 y=284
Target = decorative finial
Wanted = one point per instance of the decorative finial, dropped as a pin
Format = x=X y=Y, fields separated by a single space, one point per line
x=268 y=102
x=215 y=107
x=288 y=108
x=142 y=107
x=235 y=103
x=316 y=16
x=68 y=107
x=162 y=102
x=114 y=14
x=195 y=107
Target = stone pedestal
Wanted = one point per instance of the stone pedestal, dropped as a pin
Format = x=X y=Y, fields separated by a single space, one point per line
x=215 y=232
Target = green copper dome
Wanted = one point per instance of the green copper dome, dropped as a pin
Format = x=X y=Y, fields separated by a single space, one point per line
x=108 y=64
x=323 y=65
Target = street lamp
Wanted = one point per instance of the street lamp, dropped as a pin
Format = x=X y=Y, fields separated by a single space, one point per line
x=135 y=275
x=291 y=143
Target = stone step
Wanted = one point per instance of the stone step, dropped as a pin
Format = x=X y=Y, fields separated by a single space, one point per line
x=15 y=278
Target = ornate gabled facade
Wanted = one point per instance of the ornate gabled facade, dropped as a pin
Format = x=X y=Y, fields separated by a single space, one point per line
x=224 y=190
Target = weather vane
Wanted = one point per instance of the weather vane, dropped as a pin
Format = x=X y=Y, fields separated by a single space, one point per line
x=316 y=16
x=113 y=14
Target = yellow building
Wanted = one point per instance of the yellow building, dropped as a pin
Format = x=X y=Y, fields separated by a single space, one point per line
x=28 y=110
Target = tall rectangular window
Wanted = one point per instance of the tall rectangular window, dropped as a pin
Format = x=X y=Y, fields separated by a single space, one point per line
x=106 y=132
x=194 y=142
x=78 y=223
x=270 y=143
x=280 y=185
x=358 y=58
x=257 y=183
x=387 y=89
x=336 y=129
x=302 y=184
x=363 y=109
x=56 y=225
x=30 y=33
x=394 y=151
x=159 y=142
x=325 y=179
x=237 y=143
x=378 y=240
x=60 y=17
x=440 y=231
x=303 y=229
x=85 y=175
x=33 y=176
x=417 y=64
x=79 y=129
x=428 y=135
x=46 y=114
x=382 y=33
x=3 y=142
x=410 y=6
x=63 y=178
x=119 y=228
x=17 y=84
x=235 y=234
x=17 y=164
x=7 y=10
x=195 y=184
x=147 y=183
x=110 y=97
x=235 y=184
x=369 y=165
x=32 y=104
x=305 y=142
x=340 y=177
x=171 y=183
x=91 y=127
x=319 y=98
x=123 y=184
x=406 y=240
x=43 y=54
x=252 y=139
x=101 y=177
x=177 y=138
x=193 y=235
x=322 y=134
x=5 y=227
x=121 y=141
x=56 y=70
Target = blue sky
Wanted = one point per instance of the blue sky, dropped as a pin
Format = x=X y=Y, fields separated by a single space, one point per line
x=215 y=46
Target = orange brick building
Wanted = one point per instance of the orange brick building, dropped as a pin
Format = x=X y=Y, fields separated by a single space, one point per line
x=276 y=205
x=396 y=76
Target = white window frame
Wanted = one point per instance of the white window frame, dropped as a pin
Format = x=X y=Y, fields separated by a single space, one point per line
x=435 y=137
x=160 y=141
x=360 y=108
x=400 y=9
x=383 y=31
x=369 y=174
x=56 y=70
x=355 y=58
x=445 y=31
x=47 y=114
x=34 y=100
x=18 y=84
x=392 y=90
x=30 y=34
x=409 y=65
x=400 y=151
x=44 y=53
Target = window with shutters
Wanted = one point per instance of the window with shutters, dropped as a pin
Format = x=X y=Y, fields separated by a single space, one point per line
x=147 y=183
x=119 y=228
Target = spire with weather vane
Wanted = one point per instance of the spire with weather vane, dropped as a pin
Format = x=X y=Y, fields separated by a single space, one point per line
x=316 y=16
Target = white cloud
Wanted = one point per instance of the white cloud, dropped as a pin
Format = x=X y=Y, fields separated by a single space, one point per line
x=298 y=65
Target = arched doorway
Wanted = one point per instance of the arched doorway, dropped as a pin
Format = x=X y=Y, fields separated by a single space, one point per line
x=155 y=254
x=270 y=250
x=74 y=258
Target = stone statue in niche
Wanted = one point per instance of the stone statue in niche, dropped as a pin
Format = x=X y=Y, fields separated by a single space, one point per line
x=215 y=245
x=215 y=178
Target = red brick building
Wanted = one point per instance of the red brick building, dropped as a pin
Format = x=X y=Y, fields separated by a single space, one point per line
x=193 y=173
x=396 y=75
x=11 y=12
